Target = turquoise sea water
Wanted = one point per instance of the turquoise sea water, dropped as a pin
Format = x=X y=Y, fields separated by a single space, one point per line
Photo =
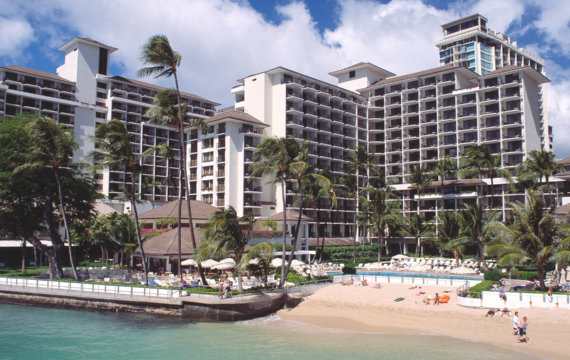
x=40 y=333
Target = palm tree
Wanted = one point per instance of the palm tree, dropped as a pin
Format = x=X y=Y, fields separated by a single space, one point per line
x=263 y=253
x=445 y=167
x=533 y=237
x=274 y=157
x=113 y=151
x=223 y=231
x=163 y=61
x=419 y=178
x=448 y=231
x=417 y=228
x=475 y=229
x=53 y=148
x=479 y=161
x=358 y=163
x=381 y=210
x=332 y=191
x=314 y=191
x=540 y=164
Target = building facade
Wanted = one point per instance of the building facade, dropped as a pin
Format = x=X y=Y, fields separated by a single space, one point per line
x=83 y=95
x=470 y=43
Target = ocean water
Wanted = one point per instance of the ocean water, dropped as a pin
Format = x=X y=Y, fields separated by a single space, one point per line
x=41 y=333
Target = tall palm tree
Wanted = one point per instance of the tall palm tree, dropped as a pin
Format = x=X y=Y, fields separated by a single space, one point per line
x=358 y=163
x=113 y=151
x=381 y=207
x=53 y=148
x=419 y=178
x=475 y=229
x=163 y=61
x=333 y=190
x=448 y=231
x=533 y=237
x=274 y=157
x=540 y=165
x=445 y=167
x=416 y=227
x=315 y=190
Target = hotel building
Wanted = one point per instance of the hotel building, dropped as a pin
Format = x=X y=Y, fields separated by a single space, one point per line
x=83 y=95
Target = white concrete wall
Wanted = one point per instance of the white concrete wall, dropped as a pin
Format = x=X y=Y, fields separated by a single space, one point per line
x=516 y=300
x=234 y=167
x=531 y=114
x=81 y=66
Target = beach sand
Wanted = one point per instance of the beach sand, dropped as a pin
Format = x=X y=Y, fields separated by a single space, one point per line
x=368 y=309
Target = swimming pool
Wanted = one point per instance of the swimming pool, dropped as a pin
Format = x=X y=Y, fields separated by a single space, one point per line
x=408 y=274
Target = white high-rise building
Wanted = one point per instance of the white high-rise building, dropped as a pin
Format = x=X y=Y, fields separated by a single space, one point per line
x=83 y=95
x=470 y=43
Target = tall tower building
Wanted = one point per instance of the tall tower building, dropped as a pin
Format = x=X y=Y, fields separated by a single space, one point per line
x=468 y=42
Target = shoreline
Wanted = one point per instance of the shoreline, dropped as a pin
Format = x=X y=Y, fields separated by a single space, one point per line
x=370 y=310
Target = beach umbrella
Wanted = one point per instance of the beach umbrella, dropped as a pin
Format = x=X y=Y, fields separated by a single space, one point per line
x=228 y=261
x=207 y=264
x=399 y=257
x=223 y=266
x=254 y=261
x=276 y=262
x=189 y=262
x=296 y=262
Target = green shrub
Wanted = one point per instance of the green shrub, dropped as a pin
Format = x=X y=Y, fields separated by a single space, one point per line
x=524 y=275
x=348 y=270
x=492 y=275
x=485 y=285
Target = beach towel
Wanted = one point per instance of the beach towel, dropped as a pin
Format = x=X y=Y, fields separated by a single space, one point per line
x=399 y=299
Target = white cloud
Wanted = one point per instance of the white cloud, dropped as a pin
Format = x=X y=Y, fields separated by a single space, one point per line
x=16 y=35
x=222 y=40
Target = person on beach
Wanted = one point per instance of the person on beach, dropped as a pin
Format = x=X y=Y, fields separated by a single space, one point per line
x=502 y=294
x=228 y=289
x=221 y=289
x=505 y=312
x=550 y=294
x=436 y=299
x=516 y=323
x=181 y=284
x=492 y=312
x=522 y=331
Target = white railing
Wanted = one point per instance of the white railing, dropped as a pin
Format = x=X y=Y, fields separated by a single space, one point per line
x=411 y=280
x=524 y=300
x=90 y=288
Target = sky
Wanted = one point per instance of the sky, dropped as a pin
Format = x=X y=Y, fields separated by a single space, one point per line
x=222 y=41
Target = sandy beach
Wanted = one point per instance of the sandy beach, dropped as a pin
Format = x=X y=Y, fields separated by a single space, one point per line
x=368 y=309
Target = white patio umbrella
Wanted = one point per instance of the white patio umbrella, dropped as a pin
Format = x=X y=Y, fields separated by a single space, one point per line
x=223 y=266
x=228 y=261
x=207 y=264
x=296 y=262
x=276 y=262
x=189 y=262
x=399 y=257
x=254 y=261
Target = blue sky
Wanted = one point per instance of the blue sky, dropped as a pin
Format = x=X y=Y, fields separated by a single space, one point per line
x=224 y=40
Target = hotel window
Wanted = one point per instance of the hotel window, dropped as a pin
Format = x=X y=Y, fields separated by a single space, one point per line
x=207 y=157
x=207 y=143
x=207 y=171
x=352 y=74
x=207 y=185
x=208 y=198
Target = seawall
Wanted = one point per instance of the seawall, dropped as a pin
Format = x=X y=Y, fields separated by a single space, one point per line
x=195 y=307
